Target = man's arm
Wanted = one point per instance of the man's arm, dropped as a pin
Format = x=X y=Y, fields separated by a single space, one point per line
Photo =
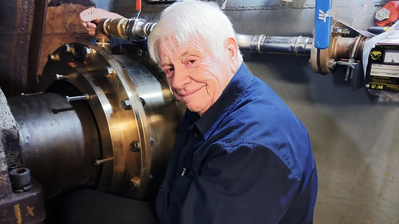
x=247 y=184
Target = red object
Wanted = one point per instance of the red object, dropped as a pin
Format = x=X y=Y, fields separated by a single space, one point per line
x=138 y=5
x=393 y=7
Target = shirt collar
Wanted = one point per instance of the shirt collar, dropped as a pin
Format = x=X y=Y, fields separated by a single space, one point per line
x=226 y=102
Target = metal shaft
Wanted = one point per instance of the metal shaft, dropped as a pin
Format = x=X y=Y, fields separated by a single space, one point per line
x=58 y=141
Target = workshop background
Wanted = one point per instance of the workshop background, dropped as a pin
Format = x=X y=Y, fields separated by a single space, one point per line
x=354 y=137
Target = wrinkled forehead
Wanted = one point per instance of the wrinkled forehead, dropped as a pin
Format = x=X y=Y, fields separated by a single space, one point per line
x=173 y=46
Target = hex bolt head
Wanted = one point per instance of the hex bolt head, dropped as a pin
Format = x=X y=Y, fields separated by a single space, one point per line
x=126 y=105
x=69 y=48
x=86 y=51
x=331 y=64
x=135 y=146
x=109 y=71
x=382 y=14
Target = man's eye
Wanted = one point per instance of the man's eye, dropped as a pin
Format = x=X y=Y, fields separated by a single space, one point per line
x=191 y=61
x=168 y=70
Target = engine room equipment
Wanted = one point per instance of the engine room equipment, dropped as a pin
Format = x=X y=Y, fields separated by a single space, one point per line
x=102 y=121
x=383 y=68
x=106 y=119
x=340 y=50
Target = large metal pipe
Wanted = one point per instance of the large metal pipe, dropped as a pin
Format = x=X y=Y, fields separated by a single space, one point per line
x=138 y=29
x=298 y=45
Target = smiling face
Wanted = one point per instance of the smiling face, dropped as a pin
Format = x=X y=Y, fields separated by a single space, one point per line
x=196 y=76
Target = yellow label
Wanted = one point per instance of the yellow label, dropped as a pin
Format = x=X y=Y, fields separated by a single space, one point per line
x=375 y=55
x=17 y=212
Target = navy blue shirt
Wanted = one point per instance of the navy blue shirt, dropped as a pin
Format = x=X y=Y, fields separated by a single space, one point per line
x=248 y=159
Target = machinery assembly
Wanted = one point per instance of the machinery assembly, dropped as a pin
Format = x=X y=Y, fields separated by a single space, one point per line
x=106 y=119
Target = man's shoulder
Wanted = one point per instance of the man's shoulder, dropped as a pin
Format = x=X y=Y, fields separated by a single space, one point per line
x=262 y=118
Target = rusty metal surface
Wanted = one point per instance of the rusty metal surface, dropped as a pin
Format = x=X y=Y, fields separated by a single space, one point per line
x=16 y=19
x=35 y=44
x=62 y=26
x=26 y=207
x=7 y=122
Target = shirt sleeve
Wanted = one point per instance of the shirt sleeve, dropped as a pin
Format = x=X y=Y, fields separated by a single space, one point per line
x=244 y=184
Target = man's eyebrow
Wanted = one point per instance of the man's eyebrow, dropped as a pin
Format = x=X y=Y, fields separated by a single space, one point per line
x=164 y=64
x=194 y=52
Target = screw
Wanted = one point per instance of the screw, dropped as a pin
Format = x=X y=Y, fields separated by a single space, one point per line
x=126 y=105
x=100 y=161
x=76 y=98
x=345 y=31
x=58 y=77
x=109 y=71
x=382 y=14
x=135 y=146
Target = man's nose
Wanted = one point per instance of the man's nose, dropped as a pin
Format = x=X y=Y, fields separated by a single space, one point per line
x=180 y=78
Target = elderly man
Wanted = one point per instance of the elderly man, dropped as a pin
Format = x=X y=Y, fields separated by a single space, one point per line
x=241 y=155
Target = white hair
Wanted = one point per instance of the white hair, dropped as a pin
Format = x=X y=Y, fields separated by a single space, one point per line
x=186 y=19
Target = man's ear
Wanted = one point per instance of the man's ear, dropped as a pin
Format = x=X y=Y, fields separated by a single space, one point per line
x=232 y=48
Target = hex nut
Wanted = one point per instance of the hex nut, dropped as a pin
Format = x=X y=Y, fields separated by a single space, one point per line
x=135 y=146
x=126 y=105
x=331 y=64
x=382 y=14
x=109 y=71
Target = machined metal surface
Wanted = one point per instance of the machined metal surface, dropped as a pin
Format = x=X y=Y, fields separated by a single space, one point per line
x=131 y=102
x=341 y=48
x=298 y=45
x=133 y=29
x=58 y=141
